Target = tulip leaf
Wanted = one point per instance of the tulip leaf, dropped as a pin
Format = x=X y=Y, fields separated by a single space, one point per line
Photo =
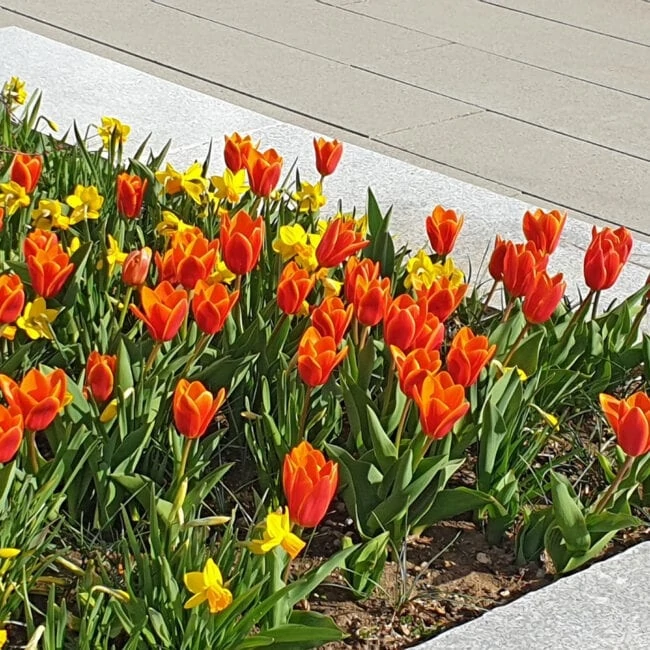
x=382 y=445
x=492 y=436
x=568 y=515
x=451 y=502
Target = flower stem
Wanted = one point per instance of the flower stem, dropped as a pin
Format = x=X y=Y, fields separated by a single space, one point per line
x=125 y=308
x=486 y=302
x=623 y=471
x=423 y=452
x=198 y=351
x=508 y=310
x=515 y=345
x=402 y=424
x=187 y=447
x=302 y=434
x=576 y=316
x=594 y=307
x=32 y=450
x=152 y=357
x=389 y=389
x=634 y=330
x=364 y=338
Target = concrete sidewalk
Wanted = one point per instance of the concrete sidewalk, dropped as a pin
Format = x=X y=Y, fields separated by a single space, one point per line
x=548 y=102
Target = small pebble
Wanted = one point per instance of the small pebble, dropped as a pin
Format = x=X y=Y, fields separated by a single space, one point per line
x=349 y=521
x=483 y=558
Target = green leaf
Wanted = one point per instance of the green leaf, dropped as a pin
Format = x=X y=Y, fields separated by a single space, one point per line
x=569 y=515
x=382 y=445
x=451 y=502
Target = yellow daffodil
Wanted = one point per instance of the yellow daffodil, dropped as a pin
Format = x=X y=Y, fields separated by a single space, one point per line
x=191 y=181
x=3 y=638
x=114 y=255
x=504 y=369
x=172 y=224
x=49 y=215
x=549 y=418
x=289 y=237
x=86 y=202
x=13 y=197
x=422 y=272
x=112 y=125
x=9 y=553
x=8 y=332
x=277 y=532
x=310 y=197
x=36 y=320
x=170 y=179
x=332 y=287
x=110 y=410
x=222 y=273
x=230 y=186
x=75 y=245
x=207 y=585
x=14 y=91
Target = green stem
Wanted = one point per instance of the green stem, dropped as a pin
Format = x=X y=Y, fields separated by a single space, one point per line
x=623 y=471
x=303 y=416
x=198 y=351
x=486 y=302
x=576 y=316
x=594 y=307
x=389 y=389
x=187 y=447
x=32 y=450
x=515 y=345
x=364 y=338
x=630 y=339
x=423 y=452
x=125 y=308
x=508 y=309
x=152 y=357
x=402 y=424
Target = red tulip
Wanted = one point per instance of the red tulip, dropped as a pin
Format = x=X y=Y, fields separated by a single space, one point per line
x=332 y=318
x=241 y=242
x=328 y=155
x=294 y=286
x=405 y=318
x=521 y=263
x=442 y=298
x=543 y=297
x=26 y=170
x=11 y=432
x=236 y=151
x=211 y=306
x=264 y=170
x=339 y=241
x=630 y=419
x=194 y=407
x=443 y=227
x=607 y=254
x=358 y=268
x=130 y=194
x=100 y=375
x=544 y=229
x=163 y=310
x=442 y=403
x=495 y=266
x=12 y=298
x=136 y=267
x=309 y=483
x=413 y=368
x=317 y=357
x=190 y=258
x=467 y=356
x=371 y=298
x=48 y=264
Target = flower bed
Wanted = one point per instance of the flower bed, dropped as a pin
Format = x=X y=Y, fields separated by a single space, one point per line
x=196 y=373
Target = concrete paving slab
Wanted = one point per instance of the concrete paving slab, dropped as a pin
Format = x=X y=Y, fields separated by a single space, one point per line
x=333 y=92
x=601 y=608
x=311 y=27
x=570 y=106
x=570 y=173
x=522 y=37
x=625 y=19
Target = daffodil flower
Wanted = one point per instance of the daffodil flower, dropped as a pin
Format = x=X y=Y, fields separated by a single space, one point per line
x=13 y=197
x=230 y=186
x=171 y=224
x=112 y=125
x=86 y=202
x=191 y=181
x=114 y=255
x=36 y=320
x=277 y=532
x=75 y=244
x=310 y=197
x=289 y=237
x=110 y=411
x=3 y=638
x=222 y=273
x=422 y=272
x=49 y=215
x=504 y=369
x=14 y=91
x=8 y=553
x=207 y=585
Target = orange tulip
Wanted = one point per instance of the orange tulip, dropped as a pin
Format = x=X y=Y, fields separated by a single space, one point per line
x=241 y=242
x=211 y=305
x=431 y=335
x=309 y=483
x=11 y=432
x=521 y=263
x=358 y=268
x=332 y=318
x=190 y=258
x=130 y=194
x=339 y=241
x=293 y=288
x=413 y=368
x=136 y=267
x=2 y=218
x=39 y=397
x=236 y=151
x=317 y=357
x=630 y=419
x=543 y=298
x=442 y=298
x=12 y=298
x=468 y=355
x=48 y=264
x=26 y=170
x=495 y=266
x=544 y=229
x=163 y=310
x=405 y=318
x=194 y=407
x=328 y=154
x=264 y=170
x=371 y=298
x=443 y=227
x=100 y=375
x=606 y=256
x=442 y=403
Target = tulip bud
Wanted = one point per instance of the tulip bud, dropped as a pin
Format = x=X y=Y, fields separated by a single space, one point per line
x=100 y=375
x=328 y=155
x=630 y=420
x=194 y=407
x=136 y=267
